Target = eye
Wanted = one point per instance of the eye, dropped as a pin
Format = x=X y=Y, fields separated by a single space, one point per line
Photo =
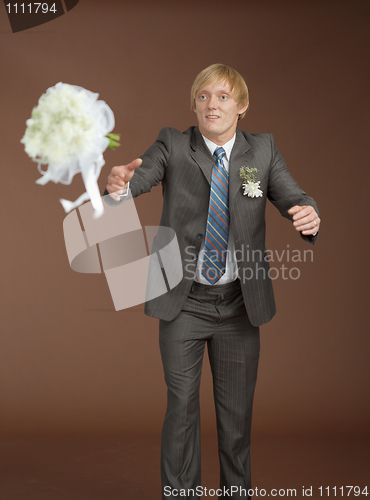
x=202 y=97
x=223 y=97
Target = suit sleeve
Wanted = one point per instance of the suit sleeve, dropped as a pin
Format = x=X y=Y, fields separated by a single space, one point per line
x=155 y=160
x=283 y=191
x=153 y=169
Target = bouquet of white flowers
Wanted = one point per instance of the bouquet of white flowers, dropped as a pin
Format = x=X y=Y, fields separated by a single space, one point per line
x=69 y=130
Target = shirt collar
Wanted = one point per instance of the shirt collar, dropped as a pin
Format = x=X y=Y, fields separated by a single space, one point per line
x=227 y=147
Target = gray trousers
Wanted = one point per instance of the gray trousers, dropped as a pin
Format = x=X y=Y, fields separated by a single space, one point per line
x=214 y=315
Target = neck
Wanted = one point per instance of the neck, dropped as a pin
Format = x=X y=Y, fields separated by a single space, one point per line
x=220 y=140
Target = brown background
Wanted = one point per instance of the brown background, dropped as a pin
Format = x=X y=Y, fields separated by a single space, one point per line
x=69 y=363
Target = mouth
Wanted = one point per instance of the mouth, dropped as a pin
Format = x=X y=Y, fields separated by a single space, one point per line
x=212 y=117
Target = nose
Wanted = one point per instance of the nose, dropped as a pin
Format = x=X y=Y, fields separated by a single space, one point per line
x=212 y=103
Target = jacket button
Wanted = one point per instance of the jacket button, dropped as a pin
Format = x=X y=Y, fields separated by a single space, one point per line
x=199 y=236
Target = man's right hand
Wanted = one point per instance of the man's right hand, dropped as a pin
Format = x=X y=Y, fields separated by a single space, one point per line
x=120 y=176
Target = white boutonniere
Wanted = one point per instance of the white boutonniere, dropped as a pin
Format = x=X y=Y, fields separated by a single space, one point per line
x=250 y=184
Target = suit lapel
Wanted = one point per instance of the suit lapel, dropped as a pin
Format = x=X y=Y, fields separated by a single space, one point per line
x=201 y=154
x=240 y=155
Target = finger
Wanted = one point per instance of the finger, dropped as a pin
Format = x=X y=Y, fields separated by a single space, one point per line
x=126 y=172
x=134 y=164
x=311 y=231
x=301 y=221
x=117 y=171
x=295 y=209
x=115 y=180
x=116 y=186
x=310 y=227
x=115 y=192
x=115 y=196
x=304 y=212
x=120 y=170
x=299 y=211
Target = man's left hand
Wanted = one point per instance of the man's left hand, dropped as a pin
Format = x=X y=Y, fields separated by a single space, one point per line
x=305 y=219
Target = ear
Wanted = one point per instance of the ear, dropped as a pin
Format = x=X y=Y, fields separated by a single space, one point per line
x=243 y=109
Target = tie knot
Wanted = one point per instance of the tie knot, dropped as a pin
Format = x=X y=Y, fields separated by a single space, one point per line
x=219 y=153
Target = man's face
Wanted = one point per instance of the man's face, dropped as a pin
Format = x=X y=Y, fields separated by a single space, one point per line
x=217 y=112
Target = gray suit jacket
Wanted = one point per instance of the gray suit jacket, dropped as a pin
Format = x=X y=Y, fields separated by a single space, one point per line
x=183 y=164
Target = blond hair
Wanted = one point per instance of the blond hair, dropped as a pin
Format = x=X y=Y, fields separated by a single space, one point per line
x=218 y=73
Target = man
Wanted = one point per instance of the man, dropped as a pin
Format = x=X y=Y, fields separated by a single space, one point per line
x=225 y=295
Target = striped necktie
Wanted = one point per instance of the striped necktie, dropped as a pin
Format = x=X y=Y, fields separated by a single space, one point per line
x=217 y=231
